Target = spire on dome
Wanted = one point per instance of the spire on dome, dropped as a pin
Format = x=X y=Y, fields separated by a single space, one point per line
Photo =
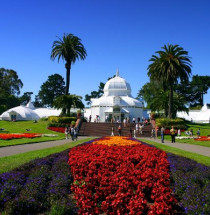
x=117 y=73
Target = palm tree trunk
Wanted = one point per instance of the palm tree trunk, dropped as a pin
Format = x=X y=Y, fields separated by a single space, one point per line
x=68 y=68
x=170 y=109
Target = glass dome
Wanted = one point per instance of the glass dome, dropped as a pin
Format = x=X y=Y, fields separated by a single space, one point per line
x=117 y=86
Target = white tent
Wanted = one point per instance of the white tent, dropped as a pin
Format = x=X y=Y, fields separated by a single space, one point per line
x=19 y=113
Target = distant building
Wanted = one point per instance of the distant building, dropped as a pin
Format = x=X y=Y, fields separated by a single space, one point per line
x=198 y=116
x=116 y=103
x=28 y=112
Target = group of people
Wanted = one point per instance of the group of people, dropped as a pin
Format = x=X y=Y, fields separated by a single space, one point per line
x=71 y=131
x=176 y=132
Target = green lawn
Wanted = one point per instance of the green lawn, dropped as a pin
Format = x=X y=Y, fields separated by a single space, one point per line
x=205 y=131
x=199 y=158
x=11 y=162
x=21 y=126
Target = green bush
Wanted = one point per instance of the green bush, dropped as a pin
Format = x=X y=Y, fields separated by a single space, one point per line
x=167 y=123
x=61 y=120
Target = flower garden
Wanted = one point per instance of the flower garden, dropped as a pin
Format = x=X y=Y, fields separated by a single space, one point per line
x=19 y=136
x=107 y=176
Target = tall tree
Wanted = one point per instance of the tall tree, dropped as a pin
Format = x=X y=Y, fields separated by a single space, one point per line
x=70 y=49
x=10 y=83
x=52 y=88
x=66 y=102
x=169 y=65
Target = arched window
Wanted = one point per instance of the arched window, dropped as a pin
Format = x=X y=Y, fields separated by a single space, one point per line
x=116 y=108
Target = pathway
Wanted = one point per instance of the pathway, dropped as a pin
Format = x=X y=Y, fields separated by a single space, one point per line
x=202 y=150
x=18 y=149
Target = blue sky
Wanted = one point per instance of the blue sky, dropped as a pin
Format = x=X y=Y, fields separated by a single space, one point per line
x=115 y=33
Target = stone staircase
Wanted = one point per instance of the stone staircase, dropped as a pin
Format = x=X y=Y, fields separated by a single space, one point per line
x=104 y=129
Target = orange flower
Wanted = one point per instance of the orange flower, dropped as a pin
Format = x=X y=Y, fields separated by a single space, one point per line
x=116 y=141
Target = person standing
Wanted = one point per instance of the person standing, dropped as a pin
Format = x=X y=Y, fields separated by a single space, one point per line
x=90 y=118
x=67 y=132
x=106 y=118
x=179 y=132
x=134 y=133
x=124 y=122
x=198 y=132
x=162 y=131
x=137 y=128
x=119 y=130
x=72 y=133
x=173 y=134
x=130 y=132
x=112 y=133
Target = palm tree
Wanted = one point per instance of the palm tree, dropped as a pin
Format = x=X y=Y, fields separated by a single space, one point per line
x=66 y=102
x=70 y=49
x=171 y=64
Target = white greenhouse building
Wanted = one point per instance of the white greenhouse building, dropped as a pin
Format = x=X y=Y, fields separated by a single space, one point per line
x=116 y=103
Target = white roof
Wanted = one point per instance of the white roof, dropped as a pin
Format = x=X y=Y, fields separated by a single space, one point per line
x=45 y=112
x=21 y=112
x=111 y=101
x=117 y=86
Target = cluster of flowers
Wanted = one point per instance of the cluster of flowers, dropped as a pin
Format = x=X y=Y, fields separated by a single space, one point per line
x=116 y=141
x=202 y=138
x=184 y=137
x=57 y=129
x=18 y=136
x=127 y=179
x=191 y=184
x=39 y=187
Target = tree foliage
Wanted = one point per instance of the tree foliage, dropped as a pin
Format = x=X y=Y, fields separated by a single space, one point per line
x=170 y=65
x=52 y=88
x=96 y=94
x=10 y=86
x=66 y=102
x=10 y=83
x=70 y=49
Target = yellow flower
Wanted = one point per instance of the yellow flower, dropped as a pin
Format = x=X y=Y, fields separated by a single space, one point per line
x=116 y=141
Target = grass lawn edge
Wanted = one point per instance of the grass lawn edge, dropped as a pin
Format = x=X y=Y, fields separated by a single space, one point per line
x=11 y=162
x=194 y=156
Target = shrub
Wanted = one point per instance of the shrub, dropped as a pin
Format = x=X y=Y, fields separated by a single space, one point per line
x=177 y=123
x=56 y=121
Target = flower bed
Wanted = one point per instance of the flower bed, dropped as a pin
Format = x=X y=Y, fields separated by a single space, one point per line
x=115 y=178
x=190 y=183
x=57 y=129
x=18 y=136
x=39 y=187
x=202 y=138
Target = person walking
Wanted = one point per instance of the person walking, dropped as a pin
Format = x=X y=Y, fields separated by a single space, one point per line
x=162 y=131
x=173 y=134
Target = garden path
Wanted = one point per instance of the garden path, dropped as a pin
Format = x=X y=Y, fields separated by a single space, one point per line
x=202 y=150
x=18 y=149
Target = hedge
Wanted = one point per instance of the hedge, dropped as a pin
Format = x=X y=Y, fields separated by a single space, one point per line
x=166 y=122
x=61 y=120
